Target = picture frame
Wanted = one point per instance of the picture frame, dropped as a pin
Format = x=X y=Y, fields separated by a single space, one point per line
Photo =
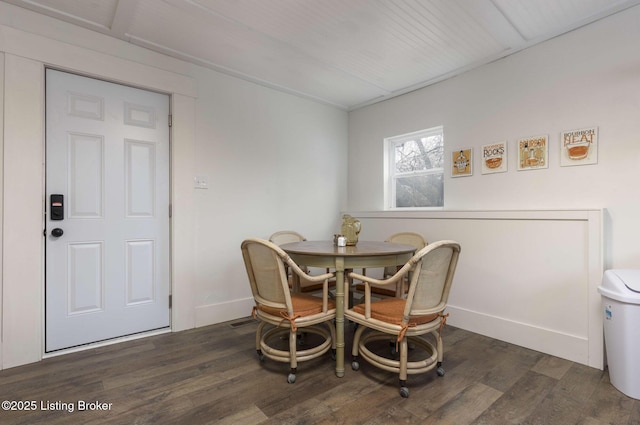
x=533 y=152
x=494 y=158
x=579 y=147
x=462 y=162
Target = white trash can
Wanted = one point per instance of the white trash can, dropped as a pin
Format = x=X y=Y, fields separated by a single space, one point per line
x=620 y=291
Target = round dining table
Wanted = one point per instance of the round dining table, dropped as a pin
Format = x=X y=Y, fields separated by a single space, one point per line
x=365 y=254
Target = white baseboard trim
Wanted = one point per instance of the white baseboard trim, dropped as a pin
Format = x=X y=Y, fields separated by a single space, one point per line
x=211 y=314
x=570 y=347
x=549 y=341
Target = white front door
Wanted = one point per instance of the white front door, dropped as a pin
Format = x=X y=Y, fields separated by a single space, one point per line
x=107 y=235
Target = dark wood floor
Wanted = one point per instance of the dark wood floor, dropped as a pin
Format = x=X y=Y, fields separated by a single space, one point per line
x=212 y=375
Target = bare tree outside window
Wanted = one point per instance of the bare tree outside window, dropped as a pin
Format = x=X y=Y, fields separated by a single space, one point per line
x=416 y=169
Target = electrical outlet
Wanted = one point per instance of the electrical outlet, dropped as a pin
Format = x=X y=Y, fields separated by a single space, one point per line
x=201 y=182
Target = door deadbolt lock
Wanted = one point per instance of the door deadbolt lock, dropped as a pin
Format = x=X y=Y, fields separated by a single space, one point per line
x=56 y=207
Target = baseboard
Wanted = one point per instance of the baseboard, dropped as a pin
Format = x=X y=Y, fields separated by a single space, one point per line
x=211 y=314
x=570 y=347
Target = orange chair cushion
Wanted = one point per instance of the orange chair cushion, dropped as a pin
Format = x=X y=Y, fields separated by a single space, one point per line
x=303 y=305
x=390 y=310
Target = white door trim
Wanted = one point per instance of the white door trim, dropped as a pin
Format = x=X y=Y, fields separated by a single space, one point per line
x=1 y=188
x=23 y=265
x=93 y=63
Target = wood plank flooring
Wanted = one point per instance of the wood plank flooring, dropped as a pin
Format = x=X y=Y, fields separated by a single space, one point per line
x=211 y=375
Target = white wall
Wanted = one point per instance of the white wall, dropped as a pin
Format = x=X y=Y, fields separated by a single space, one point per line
x=258 y=147
x=590 y=77
x=274 y=162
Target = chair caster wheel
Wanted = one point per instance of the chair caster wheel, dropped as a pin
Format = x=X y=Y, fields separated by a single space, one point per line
x=355 y=365
x=440 y=371
x=291 y=378
x=404 y=392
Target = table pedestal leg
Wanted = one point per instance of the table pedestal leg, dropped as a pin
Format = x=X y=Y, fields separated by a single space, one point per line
x=340 y=319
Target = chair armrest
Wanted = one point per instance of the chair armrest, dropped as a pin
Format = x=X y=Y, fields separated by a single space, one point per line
x=316 y=278
x=381 y=282
x=368 y=281
x=324 y=278
x=297 y=270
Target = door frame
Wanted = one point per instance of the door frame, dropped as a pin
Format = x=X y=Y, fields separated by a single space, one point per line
x=26 y=56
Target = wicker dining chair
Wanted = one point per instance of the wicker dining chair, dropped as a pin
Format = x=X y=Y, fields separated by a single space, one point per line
x=418 y=319
x=286 y=236
x=282 y=312
x=306 y=285
x=400 y=289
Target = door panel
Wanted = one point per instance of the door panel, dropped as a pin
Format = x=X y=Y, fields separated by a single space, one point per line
x=140 y=270
x=85 y=285
x=140 y=164
x=107 y=152
x=86 y=176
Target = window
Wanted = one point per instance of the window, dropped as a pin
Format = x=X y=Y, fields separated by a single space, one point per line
x=415 y=170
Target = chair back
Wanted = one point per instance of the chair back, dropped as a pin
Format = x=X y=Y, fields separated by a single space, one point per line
x=286 y=236
x=434 y=267
x=267 y=274
x=406 y=238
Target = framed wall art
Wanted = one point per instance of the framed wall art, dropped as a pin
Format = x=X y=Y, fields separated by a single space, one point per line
x=533 y=153
x=494 y=158
x=579 y=147
x=462 y=162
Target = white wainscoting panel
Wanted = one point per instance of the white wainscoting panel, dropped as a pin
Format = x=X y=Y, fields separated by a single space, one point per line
x=525 y=277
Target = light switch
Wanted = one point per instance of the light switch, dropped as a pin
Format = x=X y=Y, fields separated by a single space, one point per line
x=201 y=182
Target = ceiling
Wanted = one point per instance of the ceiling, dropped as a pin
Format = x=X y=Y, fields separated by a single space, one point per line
x=347 y=53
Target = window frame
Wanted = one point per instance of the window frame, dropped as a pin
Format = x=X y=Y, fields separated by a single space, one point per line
x=390 y=175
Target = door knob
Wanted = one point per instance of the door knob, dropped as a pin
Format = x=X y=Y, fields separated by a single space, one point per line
x=57 y=232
